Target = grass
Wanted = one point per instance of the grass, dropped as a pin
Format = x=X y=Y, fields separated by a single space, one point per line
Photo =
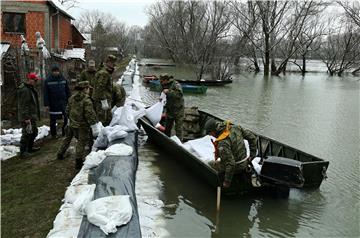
x=32 y=190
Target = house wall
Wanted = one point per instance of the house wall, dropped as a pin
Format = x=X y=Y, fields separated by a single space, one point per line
x=65 y=32
x=39 y=16
x=35 y=18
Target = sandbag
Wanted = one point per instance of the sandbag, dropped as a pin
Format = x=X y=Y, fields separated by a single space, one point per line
x=154 y=112
x=116 y=132
x=66 y=224
x=119 y=150
x=79 y=196
x=203 y=147
x=94 y=159
x=124 y=116
x=109 y=212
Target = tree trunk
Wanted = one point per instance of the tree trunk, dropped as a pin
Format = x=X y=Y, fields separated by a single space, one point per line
x=303 y=70
x=267 y=55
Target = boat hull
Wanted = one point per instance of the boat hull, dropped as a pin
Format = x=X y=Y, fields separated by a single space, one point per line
x=313 y=169
x=193 y=89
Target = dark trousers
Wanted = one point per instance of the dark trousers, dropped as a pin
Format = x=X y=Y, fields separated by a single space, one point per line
x=53 y=118
x=27 y=139
x=178 y=118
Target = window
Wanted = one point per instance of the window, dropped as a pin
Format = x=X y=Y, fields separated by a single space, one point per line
x=13 y=22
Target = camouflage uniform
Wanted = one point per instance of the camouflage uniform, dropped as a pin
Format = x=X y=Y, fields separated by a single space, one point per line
x=232 y=148
x=81 y=115
x=28 y=108
x=103 y=90
x=119 y=95
x=174 y=108
x=88 y=75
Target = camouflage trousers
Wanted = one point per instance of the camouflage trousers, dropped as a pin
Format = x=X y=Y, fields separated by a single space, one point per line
x=104 y=116
x=178 y=118
x=27 y=139
x=83 y=136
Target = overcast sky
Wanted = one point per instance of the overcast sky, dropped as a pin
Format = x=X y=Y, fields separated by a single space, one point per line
x=130 y=12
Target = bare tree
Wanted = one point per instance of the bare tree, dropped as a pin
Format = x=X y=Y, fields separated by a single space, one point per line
x=352 y=9
x=294 y=30
x=341 y=48
x=190 y=30
x=247 y=23
x=89 y=19
x=68 y=4
x=309 y=42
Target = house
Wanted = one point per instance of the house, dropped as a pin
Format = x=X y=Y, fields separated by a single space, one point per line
x=23 y=17
x=28 y=17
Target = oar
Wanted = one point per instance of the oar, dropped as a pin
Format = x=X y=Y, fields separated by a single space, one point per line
x=218 y=198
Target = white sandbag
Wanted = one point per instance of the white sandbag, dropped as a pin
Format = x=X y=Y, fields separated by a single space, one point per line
x=80 y=196
x=255 y=162
x=177 y=140
x=154 y=112
x=119 y=150
x=203 y=147
x=127 y=119
x=80 y=178
x=8 y=151
x=94 y=159
x=102 y=140
x=116 y=132
x=109 y=212
x=66 y=224
x=137 y=110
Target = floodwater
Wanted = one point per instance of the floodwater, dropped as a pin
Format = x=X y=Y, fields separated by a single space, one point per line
x=317 y=114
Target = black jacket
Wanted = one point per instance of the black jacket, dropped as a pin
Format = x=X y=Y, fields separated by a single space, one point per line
x=56 y=93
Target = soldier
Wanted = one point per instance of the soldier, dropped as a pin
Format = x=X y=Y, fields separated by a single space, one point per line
x=230 y=147
x=119 y=95
x=103 y=91
x=56 y=95
x=174 y=105
x=28 y=113
x=89 y=73
x=82 y=122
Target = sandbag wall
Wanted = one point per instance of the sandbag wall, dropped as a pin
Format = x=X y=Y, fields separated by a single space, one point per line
x=104 y=175
x=116 y=176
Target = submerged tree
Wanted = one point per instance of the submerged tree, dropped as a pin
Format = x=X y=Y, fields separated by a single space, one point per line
x=341 y=48
x=190 y=31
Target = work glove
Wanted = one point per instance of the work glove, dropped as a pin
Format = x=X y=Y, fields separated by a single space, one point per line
x=104 y=105
x=95 y=130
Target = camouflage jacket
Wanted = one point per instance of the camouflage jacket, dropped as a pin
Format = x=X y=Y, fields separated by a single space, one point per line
x=103 y=86
x=119 y=95
x=81 y=110
x=232 y=148
x=87 y=75
x=28 y=103
x=174 y=98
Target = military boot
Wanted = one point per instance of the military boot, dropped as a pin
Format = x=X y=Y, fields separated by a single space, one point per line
x=31 y=147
